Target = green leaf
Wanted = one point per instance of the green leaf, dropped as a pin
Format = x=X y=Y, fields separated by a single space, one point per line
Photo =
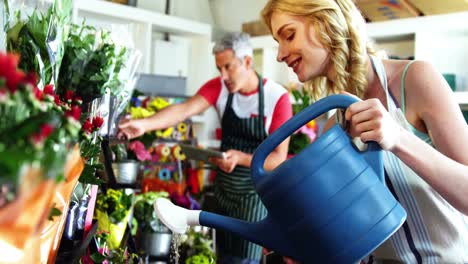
x=98 y=257
x=54 y=212
x=298 y=142
x=88 y=175
x=60 y=178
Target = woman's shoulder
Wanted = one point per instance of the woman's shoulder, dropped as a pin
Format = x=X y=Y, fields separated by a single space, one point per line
x=423 y=86
x=410 y=73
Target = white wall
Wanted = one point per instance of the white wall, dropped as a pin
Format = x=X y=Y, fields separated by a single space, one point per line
x=230 y=15
x=198 y=10
x=224 y=15
x=446 y=51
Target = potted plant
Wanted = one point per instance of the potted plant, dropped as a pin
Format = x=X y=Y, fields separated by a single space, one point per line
x=154 y=237
x=197 y=247
x=113 y=212
x=126 y=161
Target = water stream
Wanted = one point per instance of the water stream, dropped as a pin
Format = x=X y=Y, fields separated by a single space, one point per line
x=175 y=244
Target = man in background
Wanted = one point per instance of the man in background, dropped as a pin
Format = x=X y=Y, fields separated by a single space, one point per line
x=250 y=108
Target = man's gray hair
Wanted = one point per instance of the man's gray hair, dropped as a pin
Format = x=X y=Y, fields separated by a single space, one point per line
x=239 y=42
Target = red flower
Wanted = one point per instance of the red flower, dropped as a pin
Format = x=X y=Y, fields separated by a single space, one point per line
x=78 y=100
x=49 y=89
x=13 y=80
x=69 y=95
x=74 y=112
x=44 y=132
x=57 y=100
x=97 y=122
x=8 y=70
x=31 y=78
x=37 y=93
x=87 y=126
x=3 y=94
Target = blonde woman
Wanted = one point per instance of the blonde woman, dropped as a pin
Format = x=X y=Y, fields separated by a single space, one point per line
x=407 y=107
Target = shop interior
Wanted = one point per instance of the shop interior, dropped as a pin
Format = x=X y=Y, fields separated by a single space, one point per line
x=83 y=193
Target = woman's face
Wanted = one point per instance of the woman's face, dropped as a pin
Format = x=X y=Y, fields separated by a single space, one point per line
x=299 y=46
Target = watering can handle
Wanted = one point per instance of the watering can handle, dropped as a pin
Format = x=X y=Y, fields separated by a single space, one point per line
x=311 y=112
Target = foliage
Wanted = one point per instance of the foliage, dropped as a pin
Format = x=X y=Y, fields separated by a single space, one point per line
x=303 y=98
x=114 y=256
x=39 y=38
x=144 y=213
x=306 y=134
x=37 y=128
x=197 y=249
x=91 y=150
x=116 y=203
x=92 y=62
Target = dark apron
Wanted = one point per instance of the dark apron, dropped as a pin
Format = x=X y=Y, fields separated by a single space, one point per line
x=234 y=191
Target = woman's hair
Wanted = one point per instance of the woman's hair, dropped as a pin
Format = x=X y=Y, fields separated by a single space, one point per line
x=340 y=29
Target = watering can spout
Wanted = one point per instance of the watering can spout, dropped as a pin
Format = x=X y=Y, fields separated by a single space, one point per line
x=265 y=232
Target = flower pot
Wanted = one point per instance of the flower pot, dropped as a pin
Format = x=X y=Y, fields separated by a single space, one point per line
x=126 y=172
x=156 y=244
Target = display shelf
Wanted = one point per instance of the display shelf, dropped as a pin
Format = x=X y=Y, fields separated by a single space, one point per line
x=160 y=21
x=107 y=154
x=146 y=27
x=399 y=27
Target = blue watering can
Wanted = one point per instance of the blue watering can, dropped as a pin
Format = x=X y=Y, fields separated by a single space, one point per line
x=328 y=204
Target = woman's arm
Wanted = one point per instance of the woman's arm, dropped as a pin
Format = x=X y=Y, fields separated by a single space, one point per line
x=428 y=95
x=446 y=167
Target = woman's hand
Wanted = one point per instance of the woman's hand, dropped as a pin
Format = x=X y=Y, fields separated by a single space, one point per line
x=370 y=121
x=131 y=128
x=229 y=162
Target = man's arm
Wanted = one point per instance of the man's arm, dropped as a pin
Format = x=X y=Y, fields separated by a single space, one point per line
x=167 y=117
x=276 y=157
x=176 y=113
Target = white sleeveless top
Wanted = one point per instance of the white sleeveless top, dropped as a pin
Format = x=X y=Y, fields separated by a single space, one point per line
x=434 y=232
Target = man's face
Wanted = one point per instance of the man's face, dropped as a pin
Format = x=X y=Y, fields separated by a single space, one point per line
x=233 y=71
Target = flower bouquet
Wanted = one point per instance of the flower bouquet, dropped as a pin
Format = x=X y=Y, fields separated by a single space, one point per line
x=37 y=30
x=112 y=213
x=37 y=131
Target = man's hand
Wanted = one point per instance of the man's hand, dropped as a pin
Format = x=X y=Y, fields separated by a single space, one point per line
x=229 y=162
x=130 y=128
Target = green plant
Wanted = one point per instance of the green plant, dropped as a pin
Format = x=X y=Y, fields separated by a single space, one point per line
x=37 y=129
x=197 y=248
x=92 y=62
x=39 y=38
x=307 y=134
x=144 y=213
x=115 y=203
x=114 y=256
